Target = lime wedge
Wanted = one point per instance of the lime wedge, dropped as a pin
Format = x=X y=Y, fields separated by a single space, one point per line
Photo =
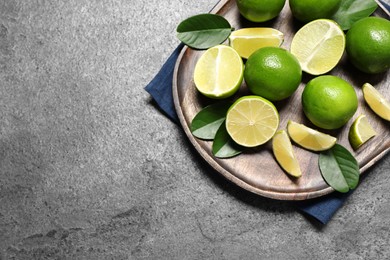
x=219 y=72
x=309 y=138
x=360 y=132
x=284 y=154
x=252 y=121
x=247 y=40
x=376 y=101
x=319 y=46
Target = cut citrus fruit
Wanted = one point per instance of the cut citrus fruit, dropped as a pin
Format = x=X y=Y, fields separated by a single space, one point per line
x=319 y=46
x=252 y=121
x=376 y=101
x=219 y=72
x=284 y=154
x=360 y=132
x=247 y=40
x=309 y=138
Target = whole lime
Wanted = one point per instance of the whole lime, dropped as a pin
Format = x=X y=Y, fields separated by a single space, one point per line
x=368 y=44
x=273 y=73
x=309 y=10
x=260 y=10
x=329 y=101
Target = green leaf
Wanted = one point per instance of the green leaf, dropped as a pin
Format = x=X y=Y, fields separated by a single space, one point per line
x=207 y=121
x=339 y=168
x=203 y=31
x=351 y=11
x=223 y=145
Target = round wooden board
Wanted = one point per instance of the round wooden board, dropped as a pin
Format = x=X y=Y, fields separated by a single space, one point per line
x=256 y=170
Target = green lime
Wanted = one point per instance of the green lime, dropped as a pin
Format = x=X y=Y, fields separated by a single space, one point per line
x=368 y=44
x=309 y=10
x=260 y=10
x=273 y=73
x=329 y=101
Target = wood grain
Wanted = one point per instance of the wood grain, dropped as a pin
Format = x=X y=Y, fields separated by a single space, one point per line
x=256 y=170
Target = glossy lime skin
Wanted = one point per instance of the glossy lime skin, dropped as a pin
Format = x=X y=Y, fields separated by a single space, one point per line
x=368 y=45
x=273 y=73
x=309 y=10
x=329 y=101
x=260 y=10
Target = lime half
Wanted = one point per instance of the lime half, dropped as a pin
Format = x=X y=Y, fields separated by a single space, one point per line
x=219 y=72
x=319 y=46
x=252 y=121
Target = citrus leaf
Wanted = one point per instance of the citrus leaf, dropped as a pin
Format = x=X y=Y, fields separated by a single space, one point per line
x=203 y=31
x=350 y=11
x=207 y=121
x=339 y=168
x=223 y=144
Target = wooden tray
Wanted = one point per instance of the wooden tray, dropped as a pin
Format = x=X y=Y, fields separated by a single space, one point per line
x=257 y=170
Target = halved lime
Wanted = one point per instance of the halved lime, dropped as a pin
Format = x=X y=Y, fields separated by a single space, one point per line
x=219 y=72
x=376 y=101
x=252 y=121
x=360 y=132
x=247 y=40
x=319 y=46
x=284 y=153
x=309 y=138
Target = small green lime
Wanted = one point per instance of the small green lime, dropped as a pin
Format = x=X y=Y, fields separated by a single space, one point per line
x=309 y=10
x=368 y=44
x=260 y=10
x=329 y=101
x=273 y=73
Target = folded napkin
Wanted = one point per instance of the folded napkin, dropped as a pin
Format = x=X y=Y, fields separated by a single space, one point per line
x=160 y=88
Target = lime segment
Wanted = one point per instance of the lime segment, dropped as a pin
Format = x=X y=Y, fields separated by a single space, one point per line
x=247 y=40
x=360 y=132
x=284 y=154
x=376 y=101
x=309 y=138
x=252 y=121
x=219 y=72
x=319 y=46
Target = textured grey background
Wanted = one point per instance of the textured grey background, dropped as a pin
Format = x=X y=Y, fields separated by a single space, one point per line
x=90 y=170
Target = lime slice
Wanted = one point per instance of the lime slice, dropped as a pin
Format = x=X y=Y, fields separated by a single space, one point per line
x=248 y=40
x=309 y=138
x=360 y=132
x=376 y=101
x=252 y=121
x=219 y=72
x=319 y=46
x=284 y=154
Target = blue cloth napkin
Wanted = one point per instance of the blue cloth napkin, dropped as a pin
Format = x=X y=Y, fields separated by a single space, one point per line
x=160 y=88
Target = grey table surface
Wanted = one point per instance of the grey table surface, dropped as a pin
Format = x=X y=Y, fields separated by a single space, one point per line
x=89 y=169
